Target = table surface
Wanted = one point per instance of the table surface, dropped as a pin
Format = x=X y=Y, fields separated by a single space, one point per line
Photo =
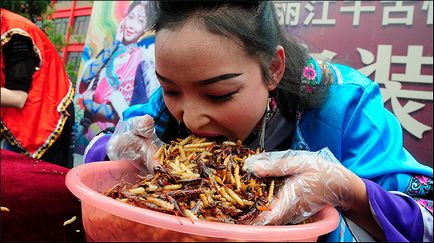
x=38 y=200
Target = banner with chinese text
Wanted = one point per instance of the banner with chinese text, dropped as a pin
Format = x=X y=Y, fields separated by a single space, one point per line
x=389 y=41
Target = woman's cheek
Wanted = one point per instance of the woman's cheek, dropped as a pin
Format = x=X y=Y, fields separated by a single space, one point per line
x=173 y=107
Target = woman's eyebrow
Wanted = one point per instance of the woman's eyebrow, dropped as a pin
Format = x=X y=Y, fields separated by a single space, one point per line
x=205 y=81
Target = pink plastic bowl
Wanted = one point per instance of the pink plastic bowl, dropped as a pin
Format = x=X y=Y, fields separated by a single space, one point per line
x=106 y=219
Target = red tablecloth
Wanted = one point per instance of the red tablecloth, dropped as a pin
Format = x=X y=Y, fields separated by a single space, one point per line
x=38 y=200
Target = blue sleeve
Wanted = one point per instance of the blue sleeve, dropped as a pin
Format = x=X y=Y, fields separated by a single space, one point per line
x=363 y=135
x=372 y=137
x=153 y=107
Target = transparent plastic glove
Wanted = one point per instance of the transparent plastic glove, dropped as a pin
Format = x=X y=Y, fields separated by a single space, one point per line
x=314 y=180
x=135 y=140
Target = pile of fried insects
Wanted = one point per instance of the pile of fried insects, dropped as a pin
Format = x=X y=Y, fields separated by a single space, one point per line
x=201 y=180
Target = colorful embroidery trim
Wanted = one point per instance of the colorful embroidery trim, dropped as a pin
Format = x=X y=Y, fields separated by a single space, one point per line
x=425 y=203
x=315 y=73
x=419 y=186
x=309 y=80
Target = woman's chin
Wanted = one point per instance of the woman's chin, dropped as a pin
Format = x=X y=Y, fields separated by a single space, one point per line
x=129 y=41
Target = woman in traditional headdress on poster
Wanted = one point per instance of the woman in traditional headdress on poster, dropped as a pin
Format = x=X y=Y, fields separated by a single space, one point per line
x=108 y=82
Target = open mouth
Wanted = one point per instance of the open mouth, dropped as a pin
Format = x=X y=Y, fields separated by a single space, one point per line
x=218 y=139
x=211 y=136
x=129 y=33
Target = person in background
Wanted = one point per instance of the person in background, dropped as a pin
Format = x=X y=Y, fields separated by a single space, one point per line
x=37 y=113
x=227 y=71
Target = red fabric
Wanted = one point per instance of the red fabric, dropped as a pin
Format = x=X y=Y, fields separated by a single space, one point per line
x=39 y=202
x=51 y=92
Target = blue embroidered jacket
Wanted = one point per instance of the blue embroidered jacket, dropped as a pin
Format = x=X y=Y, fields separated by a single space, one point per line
x=353 y=123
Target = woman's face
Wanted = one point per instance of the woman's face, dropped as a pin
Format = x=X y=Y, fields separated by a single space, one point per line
x=209 y=82
x=134 y=24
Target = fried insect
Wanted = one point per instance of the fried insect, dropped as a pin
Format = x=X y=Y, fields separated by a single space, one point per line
x=201 y=180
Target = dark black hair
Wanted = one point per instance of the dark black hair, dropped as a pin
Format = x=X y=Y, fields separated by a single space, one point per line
x=133 y=5
x=254 y=26
x=149 y=11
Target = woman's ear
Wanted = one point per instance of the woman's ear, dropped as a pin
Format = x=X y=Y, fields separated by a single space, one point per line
x=277 y=68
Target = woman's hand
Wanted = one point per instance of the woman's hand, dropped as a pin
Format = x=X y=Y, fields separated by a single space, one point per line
x=135 y=140
x=314 y=180
x=120 y=31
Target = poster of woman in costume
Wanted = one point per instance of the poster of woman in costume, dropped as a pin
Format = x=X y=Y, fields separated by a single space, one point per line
x=117 y=68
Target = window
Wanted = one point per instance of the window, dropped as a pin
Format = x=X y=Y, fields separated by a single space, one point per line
x=74 y=58
x=73 y=64
x=81 y=24
x=60 y=25
x=63 y=4
x=39 y=23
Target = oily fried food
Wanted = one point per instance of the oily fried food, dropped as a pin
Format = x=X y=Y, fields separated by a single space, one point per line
x=201 y=180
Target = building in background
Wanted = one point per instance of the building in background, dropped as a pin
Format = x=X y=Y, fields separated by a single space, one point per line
x=71 y=18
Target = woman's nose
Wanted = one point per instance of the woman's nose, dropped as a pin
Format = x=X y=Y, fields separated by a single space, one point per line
x=195 y=117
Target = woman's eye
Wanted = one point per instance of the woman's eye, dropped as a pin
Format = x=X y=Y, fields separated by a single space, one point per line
x=223 y=98
x=170 y=93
